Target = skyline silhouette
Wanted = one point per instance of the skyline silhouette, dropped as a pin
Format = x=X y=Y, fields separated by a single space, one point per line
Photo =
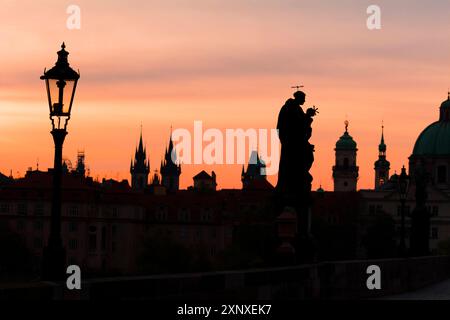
x=186 y=71
x=196 y=163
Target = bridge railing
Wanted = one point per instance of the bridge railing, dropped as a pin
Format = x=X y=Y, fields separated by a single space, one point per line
x=327 y=280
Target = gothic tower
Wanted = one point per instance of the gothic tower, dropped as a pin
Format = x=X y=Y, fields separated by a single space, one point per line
x=382 y=166
x=345 y=170
x=140 y=167
x=170 y=170
x=256 y=170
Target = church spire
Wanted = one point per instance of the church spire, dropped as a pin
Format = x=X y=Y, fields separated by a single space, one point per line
x=140 y=166
x=382 y=166
x=141 y=144
x=382 y=145
x=170 y=169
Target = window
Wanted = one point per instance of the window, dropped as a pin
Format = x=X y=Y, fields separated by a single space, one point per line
x=435 y=211
x=371 y=209
x=115 y=212
x=73 y=244
x=73 y=211
x=441 y=174
x=399 y=211
x=184 y=215
x=206 y=215
x=4 y=207
x=22 y=209
x=161 y=214
x=434 y=233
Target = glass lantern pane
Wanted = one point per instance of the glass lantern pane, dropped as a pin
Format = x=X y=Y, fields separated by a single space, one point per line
x=68 y=90
x=54 y=94
x=60 y=95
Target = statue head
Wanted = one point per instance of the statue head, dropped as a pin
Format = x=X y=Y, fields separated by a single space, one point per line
x=299 y=97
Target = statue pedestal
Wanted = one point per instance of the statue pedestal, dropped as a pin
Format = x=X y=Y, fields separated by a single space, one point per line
x=297 y=244
x=287 y=230
x=286 y=254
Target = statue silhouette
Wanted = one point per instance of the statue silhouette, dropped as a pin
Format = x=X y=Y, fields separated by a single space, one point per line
x=297 y=156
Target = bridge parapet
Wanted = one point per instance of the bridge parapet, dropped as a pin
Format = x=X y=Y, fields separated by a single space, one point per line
x=327 y=280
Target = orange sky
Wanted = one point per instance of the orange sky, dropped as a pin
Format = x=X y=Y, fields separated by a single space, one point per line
x=228 y=63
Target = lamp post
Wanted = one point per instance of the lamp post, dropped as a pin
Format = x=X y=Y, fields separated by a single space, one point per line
x=403 y=186
x=61 y=82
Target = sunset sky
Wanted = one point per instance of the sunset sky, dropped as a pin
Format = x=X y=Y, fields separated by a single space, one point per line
x=228 y=63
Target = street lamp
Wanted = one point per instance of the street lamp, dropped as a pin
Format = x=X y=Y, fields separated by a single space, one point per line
x=61 y=82
x=403 y=186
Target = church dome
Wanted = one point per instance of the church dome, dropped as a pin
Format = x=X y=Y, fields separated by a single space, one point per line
x=435 y=139
x=346 y=141
x=446 y=103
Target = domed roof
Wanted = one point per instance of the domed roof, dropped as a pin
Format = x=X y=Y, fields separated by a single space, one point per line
x=446 y=103
x=346 y=141
x=435 y=139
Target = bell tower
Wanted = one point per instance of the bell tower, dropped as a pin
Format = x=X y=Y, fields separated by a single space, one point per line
x=382 y=166
x=345 y=170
